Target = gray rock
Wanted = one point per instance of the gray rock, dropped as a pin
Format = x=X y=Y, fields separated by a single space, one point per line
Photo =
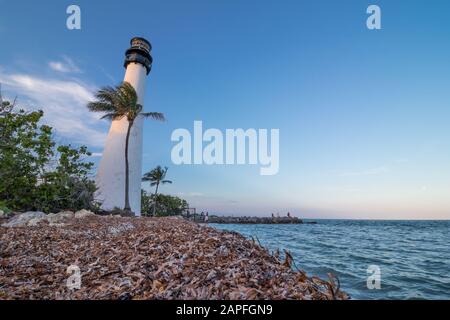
x=34 y=222
x=83 y=214
x=32 y=219
x=24 y=219
x=66 y=214
x=58 y=218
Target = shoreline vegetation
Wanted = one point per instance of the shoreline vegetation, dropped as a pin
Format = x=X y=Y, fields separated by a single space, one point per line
x=123 y=258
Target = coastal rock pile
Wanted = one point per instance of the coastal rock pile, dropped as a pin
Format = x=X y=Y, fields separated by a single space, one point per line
x=254 y=220
x=145 y=258
x=33 y=218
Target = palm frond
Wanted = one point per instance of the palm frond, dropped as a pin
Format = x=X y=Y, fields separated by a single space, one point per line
x=97 y=106
x=154 y=115
x=128 y=91
x=120 y=101
x=107 y=95
x=123 y=99
x=113 y=116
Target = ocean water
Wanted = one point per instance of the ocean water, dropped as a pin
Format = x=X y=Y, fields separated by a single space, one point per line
x=413 y=256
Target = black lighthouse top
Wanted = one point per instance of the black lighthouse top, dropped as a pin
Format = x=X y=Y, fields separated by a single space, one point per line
x=139 y=53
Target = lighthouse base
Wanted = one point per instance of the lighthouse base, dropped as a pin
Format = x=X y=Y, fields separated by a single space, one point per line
x=111 y=177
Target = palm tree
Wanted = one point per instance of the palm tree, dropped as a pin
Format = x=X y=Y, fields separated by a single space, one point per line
x=156 y=177
x=117 y=103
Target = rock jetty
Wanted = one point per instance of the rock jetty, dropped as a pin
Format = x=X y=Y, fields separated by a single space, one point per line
x=254 y=220
x=143 y=258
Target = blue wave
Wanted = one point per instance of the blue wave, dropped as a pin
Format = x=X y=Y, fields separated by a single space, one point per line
x=413 y=256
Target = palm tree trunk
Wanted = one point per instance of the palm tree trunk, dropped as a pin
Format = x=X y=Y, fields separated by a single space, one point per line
x=154 y=202
x=127 y=171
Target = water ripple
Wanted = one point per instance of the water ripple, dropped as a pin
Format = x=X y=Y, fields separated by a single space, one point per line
x=414 y=256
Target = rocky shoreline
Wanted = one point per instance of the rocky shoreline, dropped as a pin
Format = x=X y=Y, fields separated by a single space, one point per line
x=143 y=258
x=254 y=220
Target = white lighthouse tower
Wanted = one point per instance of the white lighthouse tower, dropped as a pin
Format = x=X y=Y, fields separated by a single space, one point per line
x=111 y=172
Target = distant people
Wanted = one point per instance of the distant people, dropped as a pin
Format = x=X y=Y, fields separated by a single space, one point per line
x=206 y=217
x=289 y=215
x=273 y=216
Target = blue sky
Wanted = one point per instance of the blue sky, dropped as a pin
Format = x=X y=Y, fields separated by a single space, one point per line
x=363 y=115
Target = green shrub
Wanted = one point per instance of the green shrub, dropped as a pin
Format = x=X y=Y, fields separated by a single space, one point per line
x=4 y=208
x=35 y=174
x=166 y=205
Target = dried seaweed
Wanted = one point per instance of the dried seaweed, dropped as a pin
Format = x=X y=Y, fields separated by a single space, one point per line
x=147 y=258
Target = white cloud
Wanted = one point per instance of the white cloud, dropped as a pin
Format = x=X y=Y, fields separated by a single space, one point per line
x=368 y=172
x=190 y=194
x=64 y=103
x=97 y=155
x=65 y=66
